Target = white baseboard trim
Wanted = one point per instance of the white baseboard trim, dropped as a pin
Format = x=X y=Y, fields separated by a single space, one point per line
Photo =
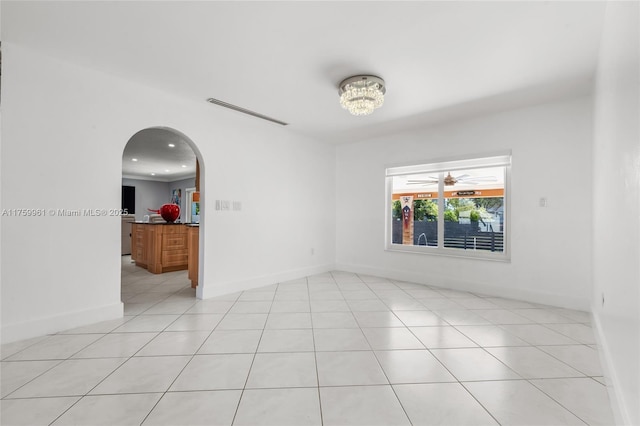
x=474 y=287
x=210 y=290
x=57 y=323
x=620 y=412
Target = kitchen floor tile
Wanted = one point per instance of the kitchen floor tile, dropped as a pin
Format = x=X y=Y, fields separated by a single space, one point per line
x=442 y=337
x=335 y=348
x=286 y=341
x=361 y=405
x=121 y=410
x=585 y=398
x=349 y=368
x=288 y=321
x=116 y=345
x=242 y=322
x=412 y=366
x=536 y=334
x=196 y=322
x=473 y=364
x=581 y=357
x=281 y=306
x=490 y=335
x=33 y=411
x=377 y=319
x=143 y=374
x=250 y=307
x=17 y=373
x=334 y=320
x=146 y=323
x=338 y=339
x=8 y=349
x=329 y=306
x=174 y=343
x=367 y=305
x=443 y=404
x=59 y=346
x=391 y=338
x=419 y=318
x=282 y=407
x=518 y=402
x=210 y=307
x=73 y=377
x=280 y=370
x=532 y=363
x=579 y=332
x=210 y=372
x=231 y=341
x=207 y=408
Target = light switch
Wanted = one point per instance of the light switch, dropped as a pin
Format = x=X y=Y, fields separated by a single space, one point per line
x=217 y=204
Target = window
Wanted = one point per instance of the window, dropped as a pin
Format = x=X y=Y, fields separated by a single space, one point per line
x=456 y=207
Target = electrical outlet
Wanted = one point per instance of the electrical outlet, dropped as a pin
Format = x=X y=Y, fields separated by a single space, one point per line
x=225 y=204
x=543 y=202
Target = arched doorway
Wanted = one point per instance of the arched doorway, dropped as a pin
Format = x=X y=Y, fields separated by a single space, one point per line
x=160 y=165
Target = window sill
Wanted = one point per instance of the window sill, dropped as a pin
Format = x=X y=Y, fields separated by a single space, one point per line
x=449 y=252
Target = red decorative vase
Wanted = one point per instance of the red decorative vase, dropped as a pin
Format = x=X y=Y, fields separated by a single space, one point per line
x=169 y=212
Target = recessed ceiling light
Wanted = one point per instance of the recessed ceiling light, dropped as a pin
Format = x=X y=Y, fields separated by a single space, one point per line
x=134 y=159
x=184 y=165
x=171 y=145
x=167 y=170
x=153 y=174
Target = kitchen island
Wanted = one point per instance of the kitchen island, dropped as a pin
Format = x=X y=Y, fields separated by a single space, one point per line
x=160 y=247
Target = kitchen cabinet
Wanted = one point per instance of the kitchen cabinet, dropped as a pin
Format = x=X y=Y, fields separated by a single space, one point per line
x=160 y=247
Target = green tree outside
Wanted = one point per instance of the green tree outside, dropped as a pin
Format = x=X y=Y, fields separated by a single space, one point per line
x=422 y=210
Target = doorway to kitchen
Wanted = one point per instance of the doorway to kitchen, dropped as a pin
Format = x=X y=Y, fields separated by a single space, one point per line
x=161 y=222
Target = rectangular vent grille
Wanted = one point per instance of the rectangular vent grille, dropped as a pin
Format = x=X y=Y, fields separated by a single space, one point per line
x=245 y=111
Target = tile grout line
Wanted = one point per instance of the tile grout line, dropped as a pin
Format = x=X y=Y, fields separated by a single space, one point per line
x=187 y=363
x=315 y=354
x=255 y=354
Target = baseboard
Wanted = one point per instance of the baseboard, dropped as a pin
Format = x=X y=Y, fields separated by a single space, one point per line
x=474 y=287
x=620 y=412
x=57 y=323
x=210 y=290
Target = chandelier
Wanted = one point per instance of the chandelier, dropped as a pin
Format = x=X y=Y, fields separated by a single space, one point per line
x=361 y=94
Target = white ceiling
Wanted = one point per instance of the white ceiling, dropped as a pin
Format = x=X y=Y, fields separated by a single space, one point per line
x=155 y=159
x=440 y=60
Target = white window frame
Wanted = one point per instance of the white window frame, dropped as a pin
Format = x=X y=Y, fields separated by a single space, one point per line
x=442 y=166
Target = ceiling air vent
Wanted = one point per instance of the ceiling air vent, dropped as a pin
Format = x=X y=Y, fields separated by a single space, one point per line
x=245 y=111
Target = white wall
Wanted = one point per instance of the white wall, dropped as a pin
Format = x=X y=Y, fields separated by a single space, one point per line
x=550 y=256
x=616 y=206
x=62 y=272
x=149 y=195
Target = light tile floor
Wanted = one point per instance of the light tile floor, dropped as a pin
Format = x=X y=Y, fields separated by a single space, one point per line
x=332 y=349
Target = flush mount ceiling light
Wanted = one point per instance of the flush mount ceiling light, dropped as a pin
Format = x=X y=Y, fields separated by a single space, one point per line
x=361 y=94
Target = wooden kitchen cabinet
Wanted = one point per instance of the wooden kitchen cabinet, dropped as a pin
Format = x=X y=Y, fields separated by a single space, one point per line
x=193 y=232
x=160 y=247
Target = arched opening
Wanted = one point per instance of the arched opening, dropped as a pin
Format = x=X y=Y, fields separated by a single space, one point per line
x=160 y=256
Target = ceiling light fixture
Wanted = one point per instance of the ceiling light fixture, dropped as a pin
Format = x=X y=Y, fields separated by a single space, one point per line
x=361 y=94
x=134 y=159
x=172 y=145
